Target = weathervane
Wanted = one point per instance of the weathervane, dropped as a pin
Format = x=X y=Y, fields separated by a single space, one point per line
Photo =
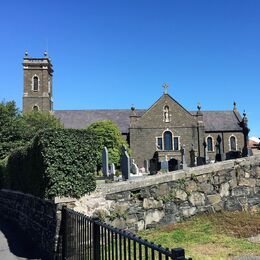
x=165 y=86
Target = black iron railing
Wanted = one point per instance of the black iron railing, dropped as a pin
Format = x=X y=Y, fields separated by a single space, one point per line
x=85 y=238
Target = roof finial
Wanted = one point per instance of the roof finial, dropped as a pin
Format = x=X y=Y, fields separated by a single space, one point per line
x=199 y=106
x=244 y=114
x=165 y=86
x=26 y=53
x=235 y=106
x=45 y=54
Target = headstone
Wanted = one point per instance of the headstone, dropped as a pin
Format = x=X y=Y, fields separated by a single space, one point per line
x=112 y=169
x=219 y=155
x=233 y=155
x=200 y=160
x=192 y=157
x=183 y=158
x=164 y=166
x=174 y=165
x=153 y=166
x=125 y=164
x=246 y=151
x=134 y=168
x=105 y=169
x=206 y=152
x=146 y=166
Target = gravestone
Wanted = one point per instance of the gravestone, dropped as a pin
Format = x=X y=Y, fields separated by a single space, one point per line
x=174 y=165
x=183 y=158
x=164 y=166
x=233 y=155
x=153 y=166
x=192 y=157
x=112 y=169
x=200 y=160
x=219 y=155
x=206 y=156
x=146 y=166
x=125 y=164
x=154 y=163
x=105 y=169
x=134 y=168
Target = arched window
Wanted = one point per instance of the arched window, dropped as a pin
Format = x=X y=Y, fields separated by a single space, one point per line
x=35 y=108
x=166 y=115
x=35 y=83
x=233 y=143
x=167 y=138
x=210 y=144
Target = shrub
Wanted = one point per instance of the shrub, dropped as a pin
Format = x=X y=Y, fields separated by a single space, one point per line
x=108 y=135
x=4 y=177
x=59 y=162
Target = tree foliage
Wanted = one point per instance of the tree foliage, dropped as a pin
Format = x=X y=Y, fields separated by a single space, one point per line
x=17 y=129
x=108 y=135
x=59 y=162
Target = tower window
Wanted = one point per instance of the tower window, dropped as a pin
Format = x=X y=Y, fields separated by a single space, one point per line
x=233 y=143
x=210 y=144
x=35 y=83
x=167 y=136
x=35 y=108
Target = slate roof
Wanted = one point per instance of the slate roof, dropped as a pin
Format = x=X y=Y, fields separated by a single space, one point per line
x=83 y=118
x=213 y=120
x=221 y=120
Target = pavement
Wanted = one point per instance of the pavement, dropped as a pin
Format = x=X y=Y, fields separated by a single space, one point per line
x=14 y=244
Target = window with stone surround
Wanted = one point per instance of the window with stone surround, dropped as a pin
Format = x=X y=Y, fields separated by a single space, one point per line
x=210 y=144
x=232 y=143
x=167 y=139
x=159 y=143
x=35 y=108
x=35 y=83
x=176 y=142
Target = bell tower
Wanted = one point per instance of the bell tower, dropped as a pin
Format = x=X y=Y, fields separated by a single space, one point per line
x=37 y=93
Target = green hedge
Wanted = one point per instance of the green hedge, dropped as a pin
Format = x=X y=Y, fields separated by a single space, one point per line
x=59 y=162
x=4 y=177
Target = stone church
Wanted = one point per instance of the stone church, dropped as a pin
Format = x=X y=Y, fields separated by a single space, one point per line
x=162 y=130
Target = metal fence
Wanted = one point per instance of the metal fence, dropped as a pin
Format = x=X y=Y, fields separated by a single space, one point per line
x=85 y=238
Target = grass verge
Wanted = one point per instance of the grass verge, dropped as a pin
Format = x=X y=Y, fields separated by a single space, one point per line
x=213 y=236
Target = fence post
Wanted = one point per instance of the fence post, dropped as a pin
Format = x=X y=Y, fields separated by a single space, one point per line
x=64 y=232
x=96 y=239
x=178 y=254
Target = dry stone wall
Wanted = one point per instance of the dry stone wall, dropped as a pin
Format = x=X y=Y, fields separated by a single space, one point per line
x=168 y=198
x=40 y=219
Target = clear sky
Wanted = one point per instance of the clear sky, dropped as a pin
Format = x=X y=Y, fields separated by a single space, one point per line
x=115 y=54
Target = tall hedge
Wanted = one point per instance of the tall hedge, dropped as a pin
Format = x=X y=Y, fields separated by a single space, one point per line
x=59 y=162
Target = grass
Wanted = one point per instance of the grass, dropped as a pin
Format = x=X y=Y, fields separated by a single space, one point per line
x=213 y=236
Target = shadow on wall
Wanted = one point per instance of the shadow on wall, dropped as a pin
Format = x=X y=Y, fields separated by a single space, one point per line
x=18 y=243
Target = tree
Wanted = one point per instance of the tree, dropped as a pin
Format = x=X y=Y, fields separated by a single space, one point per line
x=11 y=128
x=17 y=129
x=36 y=120
x=108 y=135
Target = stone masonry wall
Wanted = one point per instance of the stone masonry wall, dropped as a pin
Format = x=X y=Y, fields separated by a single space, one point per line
x=168 y=198
x=40 y=219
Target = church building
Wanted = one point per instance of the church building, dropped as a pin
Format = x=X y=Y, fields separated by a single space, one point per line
x=162 y=130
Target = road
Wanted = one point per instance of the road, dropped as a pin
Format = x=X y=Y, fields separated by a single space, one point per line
x=14 y=244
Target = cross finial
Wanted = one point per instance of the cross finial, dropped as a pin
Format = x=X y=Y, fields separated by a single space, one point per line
x=165 y=86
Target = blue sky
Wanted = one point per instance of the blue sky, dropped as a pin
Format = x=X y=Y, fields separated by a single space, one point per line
x=115 y=54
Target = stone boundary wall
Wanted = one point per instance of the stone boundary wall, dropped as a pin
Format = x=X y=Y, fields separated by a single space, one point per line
x=40 y=219
x=175 y=196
